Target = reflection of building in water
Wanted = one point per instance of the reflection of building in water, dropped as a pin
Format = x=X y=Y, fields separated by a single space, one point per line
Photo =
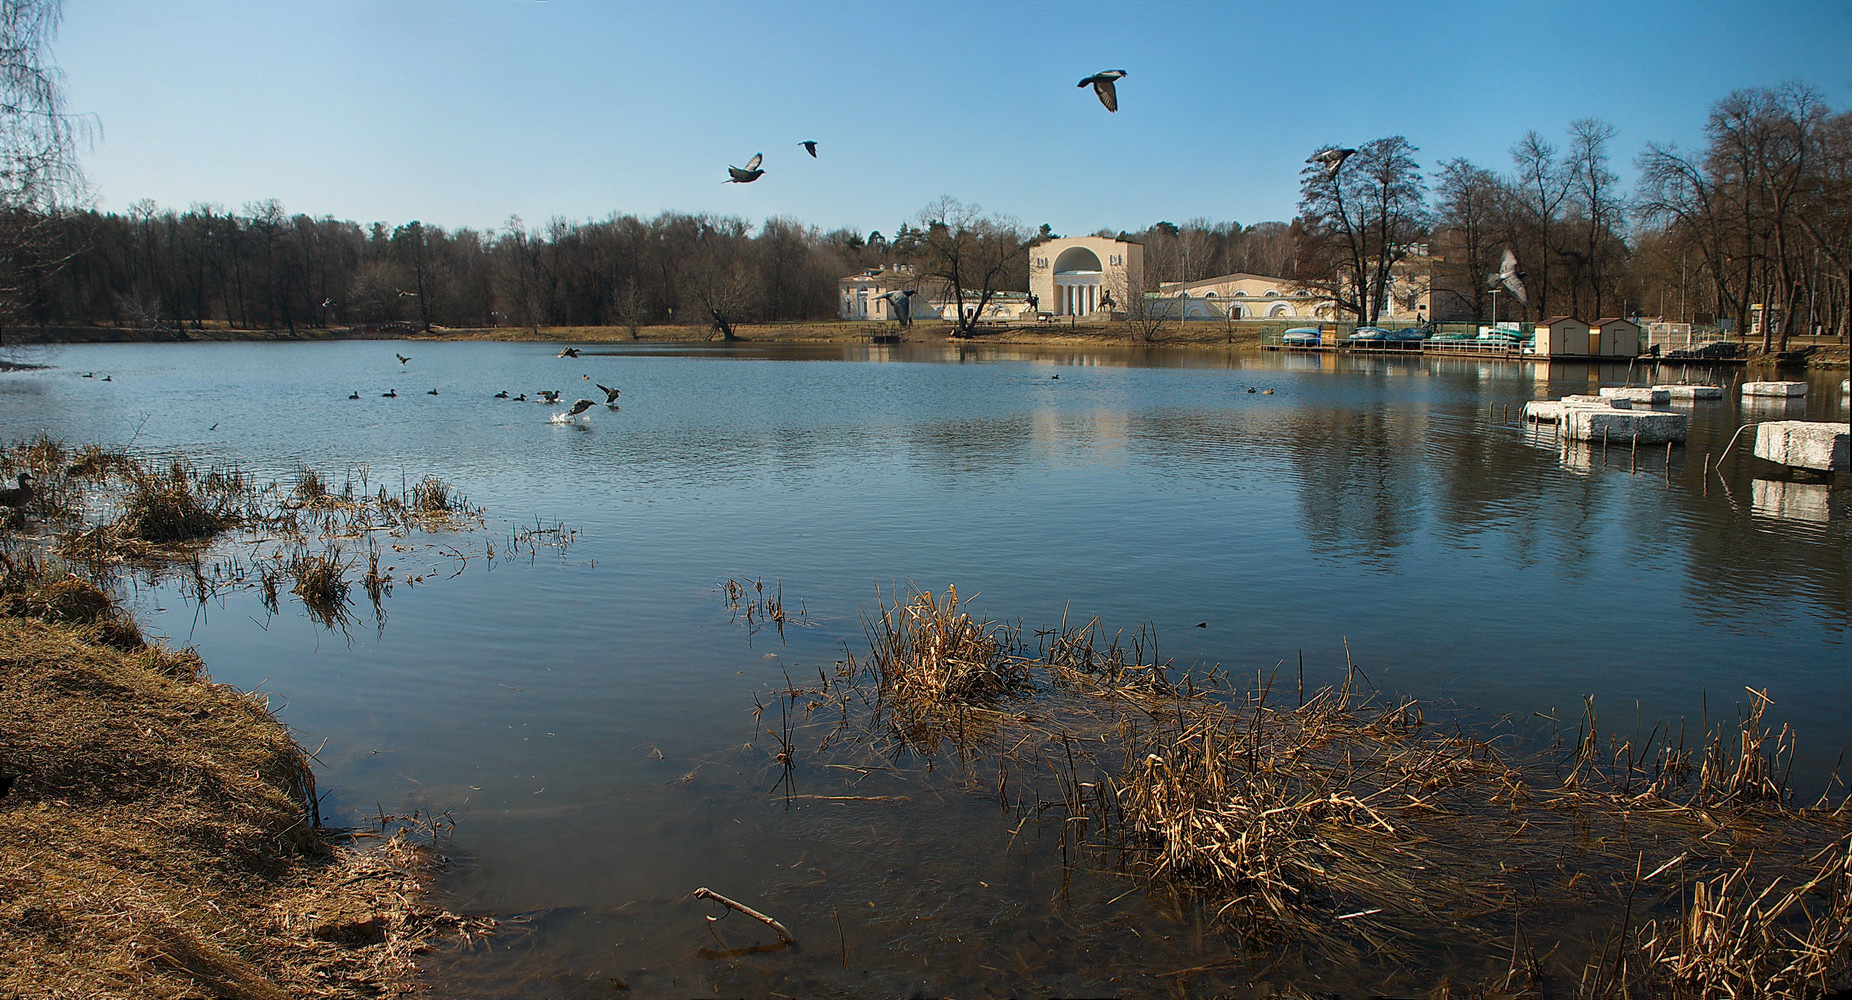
x=1792 y=501
x=1085 y=275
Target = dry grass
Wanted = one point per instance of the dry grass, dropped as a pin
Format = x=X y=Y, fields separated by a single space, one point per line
x=158 y=840
x=1353 y=832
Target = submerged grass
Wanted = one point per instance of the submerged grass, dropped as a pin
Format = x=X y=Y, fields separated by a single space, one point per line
x=104 y=513
x=1340 y=829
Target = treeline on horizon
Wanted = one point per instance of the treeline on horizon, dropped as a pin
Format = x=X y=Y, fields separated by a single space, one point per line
x=1762 y=214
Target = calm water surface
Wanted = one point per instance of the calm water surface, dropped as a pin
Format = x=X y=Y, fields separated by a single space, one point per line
x=585 y=716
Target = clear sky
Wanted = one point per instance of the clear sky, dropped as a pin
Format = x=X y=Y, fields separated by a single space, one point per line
x=464 y=112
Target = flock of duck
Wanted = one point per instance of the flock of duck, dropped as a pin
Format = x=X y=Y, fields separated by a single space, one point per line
x=545 y=397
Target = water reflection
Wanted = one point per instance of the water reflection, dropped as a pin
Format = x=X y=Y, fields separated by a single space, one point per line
x=1794 y=501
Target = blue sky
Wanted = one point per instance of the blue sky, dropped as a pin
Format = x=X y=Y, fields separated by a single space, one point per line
x=464 y=112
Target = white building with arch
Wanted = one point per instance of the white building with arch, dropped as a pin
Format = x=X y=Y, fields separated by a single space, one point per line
x=1085 y=275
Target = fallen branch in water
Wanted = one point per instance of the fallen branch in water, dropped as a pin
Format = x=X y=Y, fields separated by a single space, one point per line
x=706 y=893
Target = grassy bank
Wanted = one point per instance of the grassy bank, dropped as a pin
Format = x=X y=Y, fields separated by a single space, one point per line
x=158 y=832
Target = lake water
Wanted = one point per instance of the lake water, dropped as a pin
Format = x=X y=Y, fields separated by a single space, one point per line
x=584 y=716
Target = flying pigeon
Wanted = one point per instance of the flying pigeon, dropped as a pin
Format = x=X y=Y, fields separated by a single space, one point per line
x=810 y=146
x=748 y=175
x=1103 y=86
x=902 y=304
x=1332 y=158
x=1509 y=276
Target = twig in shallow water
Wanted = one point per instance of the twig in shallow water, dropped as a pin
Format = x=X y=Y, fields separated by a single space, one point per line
x=706 y=893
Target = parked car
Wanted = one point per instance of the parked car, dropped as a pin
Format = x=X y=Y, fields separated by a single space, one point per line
x=1301 y=336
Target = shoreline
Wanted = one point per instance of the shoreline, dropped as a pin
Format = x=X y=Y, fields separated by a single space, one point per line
x=160 y=833
x=1828 y=353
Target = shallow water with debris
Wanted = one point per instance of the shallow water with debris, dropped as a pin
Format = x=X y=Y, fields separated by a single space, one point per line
x=585 y=712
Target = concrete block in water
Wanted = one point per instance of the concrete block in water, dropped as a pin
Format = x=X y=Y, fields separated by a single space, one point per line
x=1543 y=411
x=1804 y=444
x=1692 y=391
x=1635 y=393
x=1774 y=388
x=1550 y=411
x=1624 y=426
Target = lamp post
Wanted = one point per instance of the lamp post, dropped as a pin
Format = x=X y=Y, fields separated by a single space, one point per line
x=1494 y=307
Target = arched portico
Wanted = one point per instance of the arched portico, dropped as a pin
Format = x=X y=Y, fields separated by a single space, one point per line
x=1077 y=282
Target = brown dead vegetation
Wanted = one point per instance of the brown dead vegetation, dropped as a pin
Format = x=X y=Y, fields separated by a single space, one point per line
x=1339 y=829
x=159 y=833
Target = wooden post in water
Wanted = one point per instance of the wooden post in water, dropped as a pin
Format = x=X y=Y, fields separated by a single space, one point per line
x=1633 y=454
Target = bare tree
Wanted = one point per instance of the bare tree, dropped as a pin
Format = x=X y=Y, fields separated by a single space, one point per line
x=1357 y=222
x=39 y=175
x=1600 y=250
x=1466 y=199
x=975 y=254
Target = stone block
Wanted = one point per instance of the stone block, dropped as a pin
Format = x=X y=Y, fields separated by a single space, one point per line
x=1804 y=444
x=1692 y=391
x=1635 y=393
x=1774 y=388
x=1624 y=426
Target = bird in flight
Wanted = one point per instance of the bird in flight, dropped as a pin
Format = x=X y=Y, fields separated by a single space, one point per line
x=810 y=146
x=567 y=352
x=1332 y=158
x=1509 y=276
x=402 y=358
x=610 y=394
x=902 y=304
x=578 y=407
x=1103 y=85
x=749 y=174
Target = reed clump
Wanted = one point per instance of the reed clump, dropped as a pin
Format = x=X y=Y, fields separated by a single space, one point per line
x=175 y=504
x=932 y=656
x=320 y=580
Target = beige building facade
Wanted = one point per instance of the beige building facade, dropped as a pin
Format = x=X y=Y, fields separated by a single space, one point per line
x=1085 y=275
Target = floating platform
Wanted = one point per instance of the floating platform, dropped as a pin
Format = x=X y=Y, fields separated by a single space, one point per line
x=1686 y=391
x=1635 y=394
x=1805 y=444
x=1589 y=423
x=1774 y=388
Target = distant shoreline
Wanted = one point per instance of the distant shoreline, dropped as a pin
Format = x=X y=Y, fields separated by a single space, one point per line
x=1195 y=336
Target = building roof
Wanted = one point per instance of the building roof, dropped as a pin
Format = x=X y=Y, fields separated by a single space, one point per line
x=1605 y=320
x=1553 y=320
